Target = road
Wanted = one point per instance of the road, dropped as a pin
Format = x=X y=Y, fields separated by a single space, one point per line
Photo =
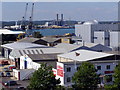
x=5 y=79
x=19 y=83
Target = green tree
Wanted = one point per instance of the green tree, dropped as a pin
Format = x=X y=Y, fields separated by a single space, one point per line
x=117 y=75
x=43 y=79
x=37 y=35
x=86 y=76
x=116 y=84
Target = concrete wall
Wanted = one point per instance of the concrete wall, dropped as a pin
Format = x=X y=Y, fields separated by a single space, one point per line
x=30 y=63
x=99 y=37
x=114 y=39
x=22 y=74
x=83 y=31
x=88 y=32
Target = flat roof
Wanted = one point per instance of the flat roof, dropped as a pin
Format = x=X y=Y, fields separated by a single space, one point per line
x=23 y=45
x=84 y=55
x=6 y=31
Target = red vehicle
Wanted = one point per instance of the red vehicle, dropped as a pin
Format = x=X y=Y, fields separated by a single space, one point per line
x=4 y=62
x=10 y=67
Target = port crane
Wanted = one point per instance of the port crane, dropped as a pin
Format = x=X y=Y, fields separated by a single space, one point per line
x=28 y=29
x=30 y=24
x=23 y=22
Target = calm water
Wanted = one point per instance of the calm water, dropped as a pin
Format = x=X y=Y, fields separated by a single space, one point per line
x=48 y=32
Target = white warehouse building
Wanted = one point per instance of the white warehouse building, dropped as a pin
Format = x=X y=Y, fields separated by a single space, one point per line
x=69 y=63
x=94 y=32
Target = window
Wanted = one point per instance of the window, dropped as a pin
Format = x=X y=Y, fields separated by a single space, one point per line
x=99 y=50
x=108 y=78
x=68 y=69
x=106 y=38
x=68 y=79
x=98 y=67
x=77 y=68
x=108 y=67
x=95 y=37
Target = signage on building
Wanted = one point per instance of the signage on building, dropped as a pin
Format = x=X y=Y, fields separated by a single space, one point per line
x=60 y=71
x=108 y=72
x=54 y=71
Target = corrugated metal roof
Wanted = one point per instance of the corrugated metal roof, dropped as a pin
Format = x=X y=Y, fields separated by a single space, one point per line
x=67 y=47
x=28 y=39
x=50 y=39
x=20 y=52
x=81 y=45
x=22 y=45
x=42 y=56
x=84 y=55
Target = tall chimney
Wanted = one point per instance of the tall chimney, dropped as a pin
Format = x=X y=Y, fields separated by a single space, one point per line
x=61 y=17
x=57 y=17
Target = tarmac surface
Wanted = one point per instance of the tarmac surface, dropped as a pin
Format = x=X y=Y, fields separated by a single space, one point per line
x=4 y=79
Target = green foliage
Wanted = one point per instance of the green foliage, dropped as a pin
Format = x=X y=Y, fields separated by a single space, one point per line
x=107 y=78
x=86 y=76
x=111 y=87
x=37 y=35
x=116 y=85
x=43 y=79
x=117 y=75
x=59 y=87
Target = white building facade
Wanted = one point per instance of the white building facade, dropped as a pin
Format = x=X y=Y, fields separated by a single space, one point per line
x=67 y=65
x=93 y=32
x=27 y=63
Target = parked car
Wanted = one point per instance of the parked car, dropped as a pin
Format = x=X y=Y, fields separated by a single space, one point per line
x=8 y=74
x=5 y=69
x=10 y=67
x=1 y=74
x=20 y=88
x=4 y=62
x=10 y=83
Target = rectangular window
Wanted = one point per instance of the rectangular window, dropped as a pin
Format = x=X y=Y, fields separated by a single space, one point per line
x=77 y=68
x=106 y=38
x=95 y=37
x=68 y=69
x=108 y=67
x=68 y=79
x=98 y=67
x=108 y=78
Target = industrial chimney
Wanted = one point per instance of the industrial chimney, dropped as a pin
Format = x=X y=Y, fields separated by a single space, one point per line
x=57 y=17
x=61 y=17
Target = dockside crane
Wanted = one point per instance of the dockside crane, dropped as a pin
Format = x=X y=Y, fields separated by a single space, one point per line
x=23 y=22
x=30 y=24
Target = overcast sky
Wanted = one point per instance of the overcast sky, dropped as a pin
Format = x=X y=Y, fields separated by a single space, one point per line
x=81 y=11
x=60 y=0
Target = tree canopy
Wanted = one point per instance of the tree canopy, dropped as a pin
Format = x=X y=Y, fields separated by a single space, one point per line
x=43 y=79
x=116 y=83
x=86 y=76
x=37 y=35
x=117 y=75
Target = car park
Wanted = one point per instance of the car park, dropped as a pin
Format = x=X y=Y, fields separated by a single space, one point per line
x=20 y=88
x=8 y=74
x=4 y=62
x=5 y=69
x=10 y=83
x=1 y=74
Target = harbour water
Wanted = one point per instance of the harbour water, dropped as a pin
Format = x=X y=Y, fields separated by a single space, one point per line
x=49 y=32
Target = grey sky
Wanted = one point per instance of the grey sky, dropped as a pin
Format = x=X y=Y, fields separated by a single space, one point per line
x=72 y=10
x=59 y=0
